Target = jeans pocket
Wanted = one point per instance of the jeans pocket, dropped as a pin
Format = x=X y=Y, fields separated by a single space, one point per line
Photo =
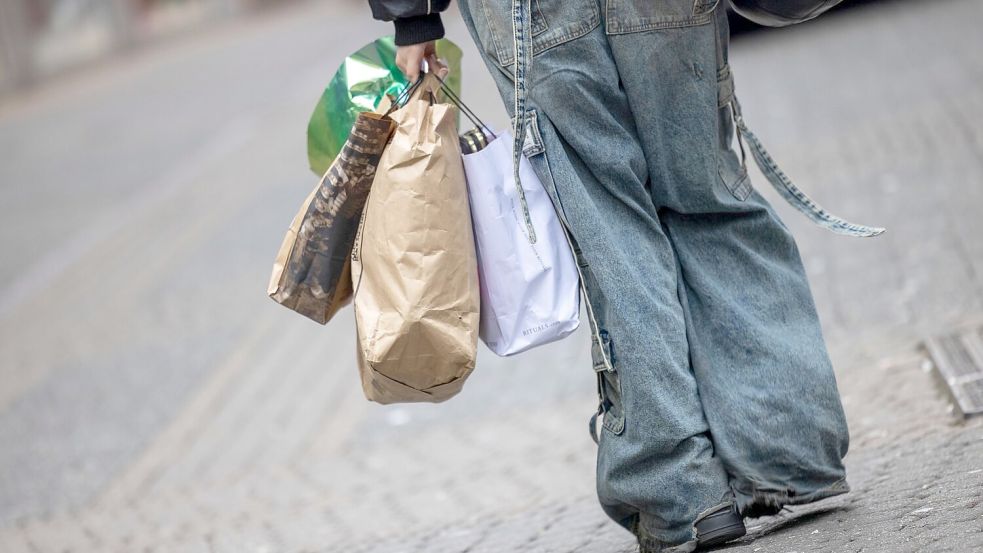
x=553 y=22
x=609 y=384
x=635 y=16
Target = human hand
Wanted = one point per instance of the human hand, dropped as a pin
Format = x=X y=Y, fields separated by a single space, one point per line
x=410 y=58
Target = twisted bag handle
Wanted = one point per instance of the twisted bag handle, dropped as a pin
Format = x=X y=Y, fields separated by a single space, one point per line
x=454 y=99
x=480 y=125
x=428 y=83
x=410 y=91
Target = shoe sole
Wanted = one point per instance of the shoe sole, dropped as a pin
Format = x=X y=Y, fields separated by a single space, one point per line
x=722 y=534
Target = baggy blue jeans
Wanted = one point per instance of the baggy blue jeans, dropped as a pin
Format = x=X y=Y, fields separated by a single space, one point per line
x=714 y=381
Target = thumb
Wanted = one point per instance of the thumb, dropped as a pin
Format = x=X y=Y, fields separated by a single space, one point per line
x=437 y=66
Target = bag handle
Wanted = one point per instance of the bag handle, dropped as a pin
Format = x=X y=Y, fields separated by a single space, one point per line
x=403 y=97
x=416 y=88
x=408 y=93
x=454 y=99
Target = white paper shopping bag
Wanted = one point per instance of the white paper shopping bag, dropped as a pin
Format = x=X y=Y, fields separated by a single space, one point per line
x=530 y=293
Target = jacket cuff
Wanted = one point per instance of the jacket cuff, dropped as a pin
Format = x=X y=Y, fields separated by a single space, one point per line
x=417 y=29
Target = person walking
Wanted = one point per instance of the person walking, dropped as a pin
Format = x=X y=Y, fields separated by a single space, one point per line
x=717 y=398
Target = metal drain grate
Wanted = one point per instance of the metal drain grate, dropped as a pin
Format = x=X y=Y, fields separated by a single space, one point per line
x=958 y=361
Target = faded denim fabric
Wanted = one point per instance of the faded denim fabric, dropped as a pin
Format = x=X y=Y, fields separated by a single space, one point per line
x=713 y=377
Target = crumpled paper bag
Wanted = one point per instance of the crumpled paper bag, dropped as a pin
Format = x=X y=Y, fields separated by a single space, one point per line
x=312 y=273
x=414 y=268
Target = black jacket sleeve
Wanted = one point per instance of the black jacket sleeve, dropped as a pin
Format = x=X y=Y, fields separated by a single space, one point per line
x=779 y=13
x=416 y=21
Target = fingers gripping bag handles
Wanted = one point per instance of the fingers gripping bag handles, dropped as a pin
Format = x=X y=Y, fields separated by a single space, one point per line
x=311 y=274
x=414 y=269
x=530 y=292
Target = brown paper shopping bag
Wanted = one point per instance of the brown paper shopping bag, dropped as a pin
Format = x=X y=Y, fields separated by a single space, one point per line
x=413 y=266
x=312 y=273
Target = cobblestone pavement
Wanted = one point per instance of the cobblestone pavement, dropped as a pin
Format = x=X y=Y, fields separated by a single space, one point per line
x=153 y=399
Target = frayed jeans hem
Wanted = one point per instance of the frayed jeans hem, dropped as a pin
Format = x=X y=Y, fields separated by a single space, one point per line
x=757 y=501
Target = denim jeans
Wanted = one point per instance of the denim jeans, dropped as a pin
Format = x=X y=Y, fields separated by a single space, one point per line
x=713 y=377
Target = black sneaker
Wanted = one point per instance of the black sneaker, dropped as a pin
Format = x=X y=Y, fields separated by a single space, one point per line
x=723 y=525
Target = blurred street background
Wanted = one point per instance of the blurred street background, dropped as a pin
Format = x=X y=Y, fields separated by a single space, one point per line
x=153 y=399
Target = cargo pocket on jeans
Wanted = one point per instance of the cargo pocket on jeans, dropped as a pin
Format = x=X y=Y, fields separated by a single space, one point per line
x=731 y=167
x=608 y=384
